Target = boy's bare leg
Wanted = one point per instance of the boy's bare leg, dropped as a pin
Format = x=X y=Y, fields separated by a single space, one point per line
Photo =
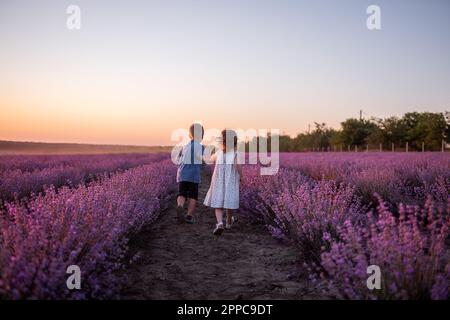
x=229 y=216
x=180 y=204
x=180 y=201
x=191 y=206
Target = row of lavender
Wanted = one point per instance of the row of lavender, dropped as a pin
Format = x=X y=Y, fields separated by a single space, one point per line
x=85 y=226
x=20 y=176
x=39 y=162
x=396 y=177
x=330 y=208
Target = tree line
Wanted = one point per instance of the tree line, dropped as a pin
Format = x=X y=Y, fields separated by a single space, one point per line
x=415 y=131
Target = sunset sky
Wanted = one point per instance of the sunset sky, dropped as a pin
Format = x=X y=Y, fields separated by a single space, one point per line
x=137 y=70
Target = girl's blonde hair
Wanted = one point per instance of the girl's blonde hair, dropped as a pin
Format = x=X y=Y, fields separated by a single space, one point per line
x=228 y=134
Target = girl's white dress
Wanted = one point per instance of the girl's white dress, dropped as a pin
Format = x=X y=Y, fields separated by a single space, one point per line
x=224 y=189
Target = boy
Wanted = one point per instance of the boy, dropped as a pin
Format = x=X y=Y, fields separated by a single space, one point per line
x=190 y=162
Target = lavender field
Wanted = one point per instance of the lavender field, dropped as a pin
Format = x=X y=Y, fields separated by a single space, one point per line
x=22 y=175
x=85 y=224
x=345 y=212
x=340 y=211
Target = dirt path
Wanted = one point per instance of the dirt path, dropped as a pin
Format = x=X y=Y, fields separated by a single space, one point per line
x=189 y=262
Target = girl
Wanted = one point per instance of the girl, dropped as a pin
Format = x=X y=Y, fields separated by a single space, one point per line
x=223 y=194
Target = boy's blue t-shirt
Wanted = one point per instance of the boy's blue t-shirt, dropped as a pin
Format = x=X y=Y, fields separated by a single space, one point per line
x=190 y=162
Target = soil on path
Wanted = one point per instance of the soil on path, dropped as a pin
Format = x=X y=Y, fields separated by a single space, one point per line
x=188 y=262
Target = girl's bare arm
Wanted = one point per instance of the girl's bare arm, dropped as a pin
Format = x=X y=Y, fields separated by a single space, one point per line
x=209 y=157
x=239 y=170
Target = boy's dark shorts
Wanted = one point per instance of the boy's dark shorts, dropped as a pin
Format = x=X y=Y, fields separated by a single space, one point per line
x=188 y=189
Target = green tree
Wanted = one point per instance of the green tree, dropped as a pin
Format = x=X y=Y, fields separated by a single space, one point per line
x=356 y=132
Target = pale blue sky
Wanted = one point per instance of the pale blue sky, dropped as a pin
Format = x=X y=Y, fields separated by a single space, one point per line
x=139 y=69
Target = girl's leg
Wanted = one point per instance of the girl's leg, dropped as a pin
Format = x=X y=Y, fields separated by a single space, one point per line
x=219 y=215
x=219 y=226
x=229 y=216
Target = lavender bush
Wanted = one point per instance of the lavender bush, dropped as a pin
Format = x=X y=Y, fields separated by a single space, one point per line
x=299 y=210
x=410 y=250
x=85 y=226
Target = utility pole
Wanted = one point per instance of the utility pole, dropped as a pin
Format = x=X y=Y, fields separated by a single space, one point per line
x=360 y=115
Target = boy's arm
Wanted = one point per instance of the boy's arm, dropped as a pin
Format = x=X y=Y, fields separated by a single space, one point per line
x=198 y=154
x=178 y=156
x=208 y=158
x=204 y=157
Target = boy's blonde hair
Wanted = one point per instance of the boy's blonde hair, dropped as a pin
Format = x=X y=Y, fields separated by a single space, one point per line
x=196 y=131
